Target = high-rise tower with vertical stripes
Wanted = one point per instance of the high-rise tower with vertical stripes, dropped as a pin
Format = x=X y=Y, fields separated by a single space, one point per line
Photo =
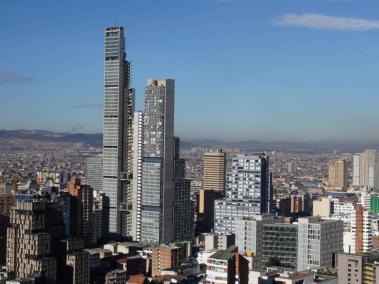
x=118 y=112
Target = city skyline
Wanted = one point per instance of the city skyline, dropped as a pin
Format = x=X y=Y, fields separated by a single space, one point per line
x=306 y=70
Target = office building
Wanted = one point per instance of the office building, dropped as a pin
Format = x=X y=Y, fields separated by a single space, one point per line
x=338 y=174
x=319 y=242
x=248 y=233
x=214 y=164
x=94 y=172
x=366 y=169
x=29 y=245
x=279 y=241
x=137 y=175
x=81 y=211
x=183 y=206
x=205 y=210
x=163 y=257
x=98 y=222
x=157 y=220
x=118 y=112
x=248 y=192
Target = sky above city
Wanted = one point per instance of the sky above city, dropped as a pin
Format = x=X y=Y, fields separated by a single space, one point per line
x=282 y=70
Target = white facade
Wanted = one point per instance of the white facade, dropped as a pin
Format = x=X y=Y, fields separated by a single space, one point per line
x=137 y=174
x=248 y=234
x=248 y=192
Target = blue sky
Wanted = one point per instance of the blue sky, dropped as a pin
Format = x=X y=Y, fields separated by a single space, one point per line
x=244 y=69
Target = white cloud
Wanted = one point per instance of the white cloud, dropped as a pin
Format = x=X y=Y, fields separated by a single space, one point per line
x=320 y=21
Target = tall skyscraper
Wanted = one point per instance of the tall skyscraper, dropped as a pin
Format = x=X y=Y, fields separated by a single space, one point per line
x=338 y=170
x=157 y=223
x=137 y=174
x=118 y=112
x=214 y=170
x=94 y=175
x=183 y=206
x=366 y=169
x=248 y=192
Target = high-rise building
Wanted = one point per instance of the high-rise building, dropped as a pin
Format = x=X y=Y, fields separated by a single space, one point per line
x=137 y=174
x=205 y=210
x=361 y=230
x=94 y=175
x=183 y=206
x=118 y=112
x=291 y=167
x=366 y=169
x=163 y=257
x=319 y=242
x=81 y=211
x=157 y=222
x=248 y=192
x=29 y=245
x=6 y=203
x=214 y=164
x=338 y=174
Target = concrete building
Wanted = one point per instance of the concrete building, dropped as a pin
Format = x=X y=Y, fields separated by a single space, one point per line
x=157 y=220
x=214 y=168
x=94 y=172
x=81 y=210
x=227 y=267
x=205 y=210
x=338 y=174
x=358 y=268
x=163 y=257
x=249 y=232
x=117 y=276
x=98 y=231
x=29 y=245
x=118 y=112
x=76 y=264
x=319 y=242
x=322 y=207
x=6 y=203
x=366 y=169
x=137 y=175
x=248 y=192
x=218 y=241
x=279 y=241
x=361 y=230
x=350 y=268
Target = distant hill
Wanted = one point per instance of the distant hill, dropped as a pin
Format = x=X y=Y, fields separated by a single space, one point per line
x=96 y=140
